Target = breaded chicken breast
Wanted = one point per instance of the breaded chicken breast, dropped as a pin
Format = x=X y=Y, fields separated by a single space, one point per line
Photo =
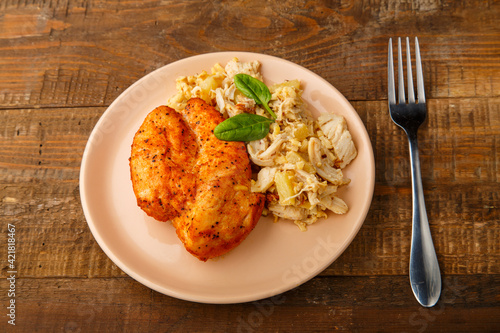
x=162 y=160
x=181 y=172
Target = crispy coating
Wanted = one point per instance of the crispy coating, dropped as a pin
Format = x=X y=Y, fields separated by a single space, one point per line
x=181 y=172
x=163 y=154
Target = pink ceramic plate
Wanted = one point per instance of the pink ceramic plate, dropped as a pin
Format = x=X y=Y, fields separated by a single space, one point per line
x=275 y=257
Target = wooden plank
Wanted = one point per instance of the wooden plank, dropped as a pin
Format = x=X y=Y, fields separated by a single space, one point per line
x=323 y=304
x=457 y=144
x=40 y=155
x=65 y=53
x=45 y=143
x=55 y=240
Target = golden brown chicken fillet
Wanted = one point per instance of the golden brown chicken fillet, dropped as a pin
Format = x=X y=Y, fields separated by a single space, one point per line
x=164 y=152
x=181 y=172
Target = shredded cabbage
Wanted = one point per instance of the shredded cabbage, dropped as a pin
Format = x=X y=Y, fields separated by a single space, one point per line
x=300 y=161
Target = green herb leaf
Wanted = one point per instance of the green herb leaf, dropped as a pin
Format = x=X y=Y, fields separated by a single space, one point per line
x=255 y=89
x=243 y=127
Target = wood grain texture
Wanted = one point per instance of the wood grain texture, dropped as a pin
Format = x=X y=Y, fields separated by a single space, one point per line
x=41 y=149
x=324 y=304
x=63 y=62
x=84 y=53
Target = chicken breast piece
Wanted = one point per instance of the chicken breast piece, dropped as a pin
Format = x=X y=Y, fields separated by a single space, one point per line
x=205 y=186
x=162 y=160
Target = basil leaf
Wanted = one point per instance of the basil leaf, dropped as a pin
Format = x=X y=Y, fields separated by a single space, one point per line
x=255 y=89
x=243 y=127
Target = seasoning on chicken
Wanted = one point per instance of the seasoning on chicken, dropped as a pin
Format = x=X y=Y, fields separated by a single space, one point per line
x=183 y=173
x=162 y=161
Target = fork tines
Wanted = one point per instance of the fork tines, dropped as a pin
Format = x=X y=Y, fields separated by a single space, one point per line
x=401 y=86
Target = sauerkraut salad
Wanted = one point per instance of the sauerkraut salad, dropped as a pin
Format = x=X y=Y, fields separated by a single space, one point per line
x=298 y=165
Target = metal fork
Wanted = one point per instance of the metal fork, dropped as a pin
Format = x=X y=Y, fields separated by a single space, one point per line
x=425 y=277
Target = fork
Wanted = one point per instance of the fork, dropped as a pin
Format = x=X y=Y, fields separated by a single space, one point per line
x=425 y=277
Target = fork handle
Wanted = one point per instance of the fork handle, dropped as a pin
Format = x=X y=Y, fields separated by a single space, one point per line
x=425 y=277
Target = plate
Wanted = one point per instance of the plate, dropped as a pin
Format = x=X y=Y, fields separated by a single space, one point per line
x=274 y=258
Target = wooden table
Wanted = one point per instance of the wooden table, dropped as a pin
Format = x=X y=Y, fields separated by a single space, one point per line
x=63 y=62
